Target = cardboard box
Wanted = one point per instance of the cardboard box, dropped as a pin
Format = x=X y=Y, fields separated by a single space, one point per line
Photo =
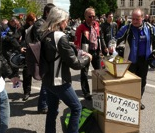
x=129 y=85
x=112 y=127
x=117 y=101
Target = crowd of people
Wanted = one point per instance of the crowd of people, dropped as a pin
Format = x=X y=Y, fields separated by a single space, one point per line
x=92 y=39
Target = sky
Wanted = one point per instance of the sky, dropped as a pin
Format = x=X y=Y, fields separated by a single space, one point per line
x=64 y=4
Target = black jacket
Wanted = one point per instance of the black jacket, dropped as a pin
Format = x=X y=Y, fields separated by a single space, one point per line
x=108 y=31
x=10 y=41
x=5 y=69
x=68 y=59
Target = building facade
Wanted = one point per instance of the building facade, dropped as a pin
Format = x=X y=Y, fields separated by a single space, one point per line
x=125 y=7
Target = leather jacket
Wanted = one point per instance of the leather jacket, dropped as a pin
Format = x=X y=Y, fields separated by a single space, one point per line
x=10 y=41
x=108 y=31
x=66 y=57
x=5 y=69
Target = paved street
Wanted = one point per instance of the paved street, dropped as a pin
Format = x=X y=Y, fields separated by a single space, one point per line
x=25 y=119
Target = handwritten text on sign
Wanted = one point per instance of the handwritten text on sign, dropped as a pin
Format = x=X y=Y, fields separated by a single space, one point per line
x=98 y=101
x=122 y=109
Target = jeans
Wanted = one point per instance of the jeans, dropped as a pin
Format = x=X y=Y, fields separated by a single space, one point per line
x=4 y=111
x=67 y=94
x=140 y=68
x=42 y=101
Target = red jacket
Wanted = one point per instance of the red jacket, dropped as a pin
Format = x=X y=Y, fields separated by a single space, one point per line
x=83 y=32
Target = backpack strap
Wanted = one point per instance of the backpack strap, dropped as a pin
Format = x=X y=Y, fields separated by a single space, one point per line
x=58 y=69
x=57 y=36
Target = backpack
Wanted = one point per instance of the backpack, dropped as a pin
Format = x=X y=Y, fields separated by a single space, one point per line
x=36 y=64
x=87 y=121
x=33 y=55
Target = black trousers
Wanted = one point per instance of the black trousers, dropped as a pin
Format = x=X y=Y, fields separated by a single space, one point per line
x=84 y=72
x=140 y=68
x=27 y=81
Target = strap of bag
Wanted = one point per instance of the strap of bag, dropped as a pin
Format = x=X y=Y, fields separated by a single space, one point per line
x=58 y=69
x=57 y=36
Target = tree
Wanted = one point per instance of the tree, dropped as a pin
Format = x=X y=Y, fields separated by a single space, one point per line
x=101 y=6
x=112 y=5
x=7 y=7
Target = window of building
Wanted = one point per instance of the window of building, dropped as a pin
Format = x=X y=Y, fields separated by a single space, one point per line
x=152 y=8
x=131 y=3
x=122 y=3
x=140 y=3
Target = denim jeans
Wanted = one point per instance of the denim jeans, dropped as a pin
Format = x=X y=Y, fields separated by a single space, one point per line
x=4 y=111
x=67 y=94
x=42 y=101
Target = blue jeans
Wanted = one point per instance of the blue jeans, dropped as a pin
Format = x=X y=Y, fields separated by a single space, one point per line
x=42 y=101
x=67 y=94
x=4 y=111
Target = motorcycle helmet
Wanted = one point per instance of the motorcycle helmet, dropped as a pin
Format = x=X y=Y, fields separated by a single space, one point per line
x=151 y=60
x=17 y=60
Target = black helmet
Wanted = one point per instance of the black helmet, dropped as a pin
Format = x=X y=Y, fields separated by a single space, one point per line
x=17 y=60
x=151 y=60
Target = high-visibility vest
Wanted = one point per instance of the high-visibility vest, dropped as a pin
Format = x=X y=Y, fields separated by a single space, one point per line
x=85 y=113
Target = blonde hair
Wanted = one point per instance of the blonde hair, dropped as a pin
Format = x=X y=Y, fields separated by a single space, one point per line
x=54 y=18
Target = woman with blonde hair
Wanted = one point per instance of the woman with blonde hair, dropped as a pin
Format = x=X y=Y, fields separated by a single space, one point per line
x=60 y=57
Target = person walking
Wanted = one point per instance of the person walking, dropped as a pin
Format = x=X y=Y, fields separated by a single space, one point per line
x=59 y=57
x=138 y=45
x=27 y=78
x=36 y=33
x=87 y=38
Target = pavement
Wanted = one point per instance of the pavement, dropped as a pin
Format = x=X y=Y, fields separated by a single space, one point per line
x=25 y=118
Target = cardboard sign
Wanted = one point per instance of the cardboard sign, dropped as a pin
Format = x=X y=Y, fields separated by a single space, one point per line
x=122 y=109
x=98 y=101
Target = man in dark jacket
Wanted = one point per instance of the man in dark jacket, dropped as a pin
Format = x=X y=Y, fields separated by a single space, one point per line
x=10 y=41
x=108 y=32
x=5 y=71
x=36 y=35
x=139 y=42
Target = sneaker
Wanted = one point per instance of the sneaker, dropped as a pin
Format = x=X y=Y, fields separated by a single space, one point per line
x=26 y=97
x=43 y=111
x=88 y=96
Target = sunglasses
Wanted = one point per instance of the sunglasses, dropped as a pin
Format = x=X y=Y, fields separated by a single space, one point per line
x=91 y=16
